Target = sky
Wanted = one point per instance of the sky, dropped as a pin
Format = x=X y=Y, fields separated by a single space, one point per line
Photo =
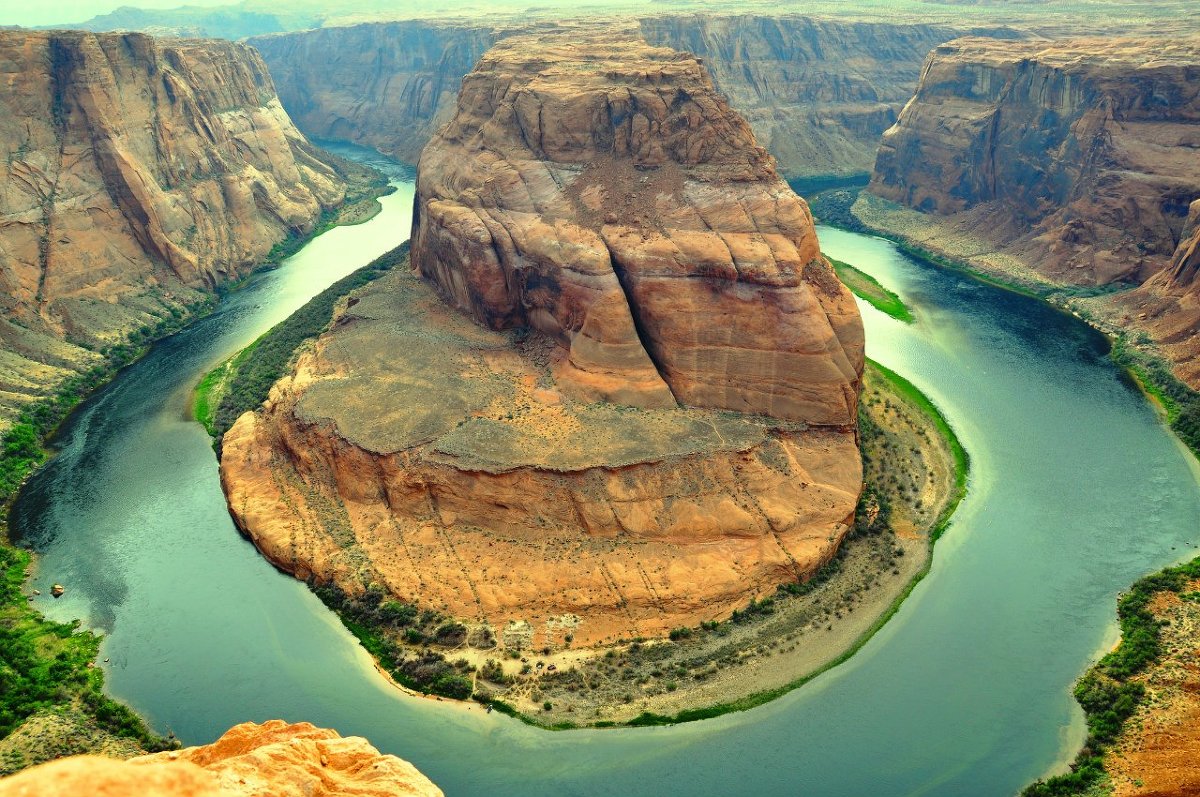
x=54 y=12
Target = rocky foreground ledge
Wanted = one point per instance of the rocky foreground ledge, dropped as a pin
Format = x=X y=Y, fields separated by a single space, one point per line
x=275 y=759
x=622 y=400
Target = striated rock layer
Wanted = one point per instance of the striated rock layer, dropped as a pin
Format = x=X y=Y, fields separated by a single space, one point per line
x=625 y=248
x=1167 y=306
x=274 y=759
x=137 y=175
x=605 y=195
x=1078 y=157
x=817 y=93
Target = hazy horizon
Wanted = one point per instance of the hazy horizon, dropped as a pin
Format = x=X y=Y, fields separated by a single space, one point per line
x=68 y=12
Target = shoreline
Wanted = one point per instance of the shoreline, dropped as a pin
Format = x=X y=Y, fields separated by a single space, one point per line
x=765 y=640
x=1112 y=691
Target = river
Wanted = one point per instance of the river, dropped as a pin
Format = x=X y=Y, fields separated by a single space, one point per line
x=1076 y=490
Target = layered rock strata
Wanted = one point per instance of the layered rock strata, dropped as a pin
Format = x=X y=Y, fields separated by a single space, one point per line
x=137 y=176
x=1076 y=157
x=818 y=93
x=606 y=196
x=1167 y=306
x=274 y=759
x=614 y=245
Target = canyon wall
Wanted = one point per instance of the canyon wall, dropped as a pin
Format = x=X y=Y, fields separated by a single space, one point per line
x=138 y=175
x=537 y=438
x=275 y=759
x=388 y=86
x=817 y=93
x=1078 y=157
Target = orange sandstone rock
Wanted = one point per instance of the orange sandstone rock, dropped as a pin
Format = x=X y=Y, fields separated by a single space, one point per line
x=274 y=759
x=602 y=192
x=568 y=469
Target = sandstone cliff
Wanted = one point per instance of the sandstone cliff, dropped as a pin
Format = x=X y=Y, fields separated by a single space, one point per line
x=1076 y=157
x=388 y=86
x=1167 y=306
x=624 y=245
x=817 y=93
x=137 y=176
x=274 y=759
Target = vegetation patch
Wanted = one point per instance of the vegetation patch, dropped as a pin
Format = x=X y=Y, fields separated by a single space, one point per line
x=1110 y=692
x=1180 y=402
x=869 y=289
x=47 y=667
x=243 y=382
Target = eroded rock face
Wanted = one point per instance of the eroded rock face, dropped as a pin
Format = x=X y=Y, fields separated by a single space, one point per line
x=601 y=192
x=542 y=447
x=1167 y=306
x=137 y=175
x=817 y=93
x=389 y=86
x=1079 y=157
x=274 y=759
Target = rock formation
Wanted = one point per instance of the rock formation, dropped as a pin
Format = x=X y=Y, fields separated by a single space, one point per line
x=817 y=93
x=388 y=86
x=625 y=247
x=1078 y=157
x=137 y=176
x=1167 y=306
x=274 y=759
x=609 y=198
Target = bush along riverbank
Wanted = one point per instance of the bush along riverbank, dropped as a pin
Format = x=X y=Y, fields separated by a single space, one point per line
x=242 y=382
x=915 y=472
x=52 y=700
x=1114 y=689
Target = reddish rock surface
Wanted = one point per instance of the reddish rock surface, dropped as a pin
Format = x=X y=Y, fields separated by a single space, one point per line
x=274 y=759
x=625 y=247
x=818 y=93
x=1077 y=156
x=137 y=175
x=1167 y=306
x=604 y=194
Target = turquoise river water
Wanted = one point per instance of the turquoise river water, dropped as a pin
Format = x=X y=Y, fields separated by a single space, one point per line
x=1076 y=490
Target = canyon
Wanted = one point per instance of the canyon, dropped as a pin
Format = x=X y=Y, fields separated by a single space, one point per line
x=604 y=459
x=817 y=92
x=139 y=176
x=274 y=759
x=1060 y=165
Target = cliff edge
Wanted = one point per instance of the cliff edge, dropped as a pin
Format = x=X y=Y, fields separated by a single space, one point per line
x=275 y=759
x=137 y=176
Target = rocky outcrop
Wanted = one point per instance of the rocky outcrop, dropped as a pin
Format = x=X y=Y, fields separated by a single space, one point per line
x=818 y=94
x=607 y=196
x=1076 y=157
x=1167 y=306
x=625 y=248
x=137 y=176
x=274 y=759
